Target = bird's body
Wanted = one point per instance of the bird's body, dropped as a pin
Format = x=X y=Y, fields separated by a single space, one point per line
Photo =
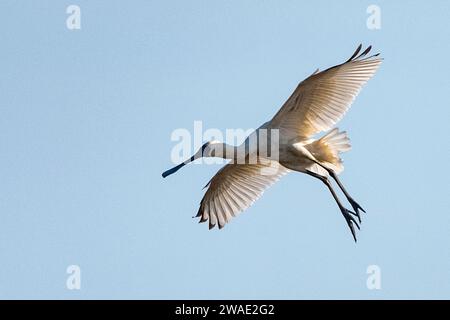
x=286 y=143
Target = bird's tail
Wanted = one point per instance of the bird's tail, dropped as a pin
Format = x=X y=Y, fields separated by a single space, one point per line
x=327 y=149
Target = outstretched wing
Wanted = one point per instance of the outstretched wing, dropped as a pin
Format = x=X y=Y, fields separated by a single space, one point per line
x=322 y=99
x=234 y=188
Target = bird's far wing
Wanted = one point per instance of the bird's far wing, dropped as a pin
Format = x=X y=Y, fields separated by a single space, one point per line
x=322 y=99
x=234 y=188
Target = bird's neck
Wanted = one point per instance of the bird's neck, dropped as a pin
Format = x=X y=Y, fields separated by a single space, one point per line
x=228 y=151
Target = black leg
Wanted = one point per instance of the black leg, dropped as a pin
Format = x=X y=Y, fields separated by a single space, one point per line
x=345 y=212
x=353 y=203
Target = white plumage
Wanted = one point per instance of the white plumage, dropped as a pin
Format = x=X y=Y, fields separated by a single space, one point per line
x=316 y=105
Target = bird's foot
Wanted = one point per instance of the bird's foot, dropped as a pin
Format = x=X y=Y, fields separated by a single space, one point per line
x=355 y=205
x=351 y=222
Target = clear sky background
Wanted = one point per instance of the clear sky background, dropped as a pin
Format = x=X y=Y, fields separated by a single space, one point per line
x=85 y=123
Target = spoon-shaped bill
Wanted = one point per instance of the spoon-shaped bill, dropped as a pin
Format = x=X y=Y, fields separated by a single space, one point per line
x=178 y=167
x=173 y=170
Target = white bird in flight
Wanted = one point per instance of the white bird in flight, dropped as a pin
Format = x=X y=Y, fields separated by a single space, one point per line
x=316 y=105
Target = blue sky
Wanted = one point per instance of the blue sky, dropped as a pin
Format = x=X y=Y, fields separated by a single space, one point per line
x=85 y=123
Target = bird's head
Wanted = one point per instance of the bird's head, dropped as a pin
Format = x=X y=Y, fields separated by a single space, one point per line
x=211 y=148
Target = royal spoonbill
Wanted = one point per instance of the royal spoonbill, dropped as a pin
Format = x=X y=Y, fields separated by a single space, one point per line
x=315 y=106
